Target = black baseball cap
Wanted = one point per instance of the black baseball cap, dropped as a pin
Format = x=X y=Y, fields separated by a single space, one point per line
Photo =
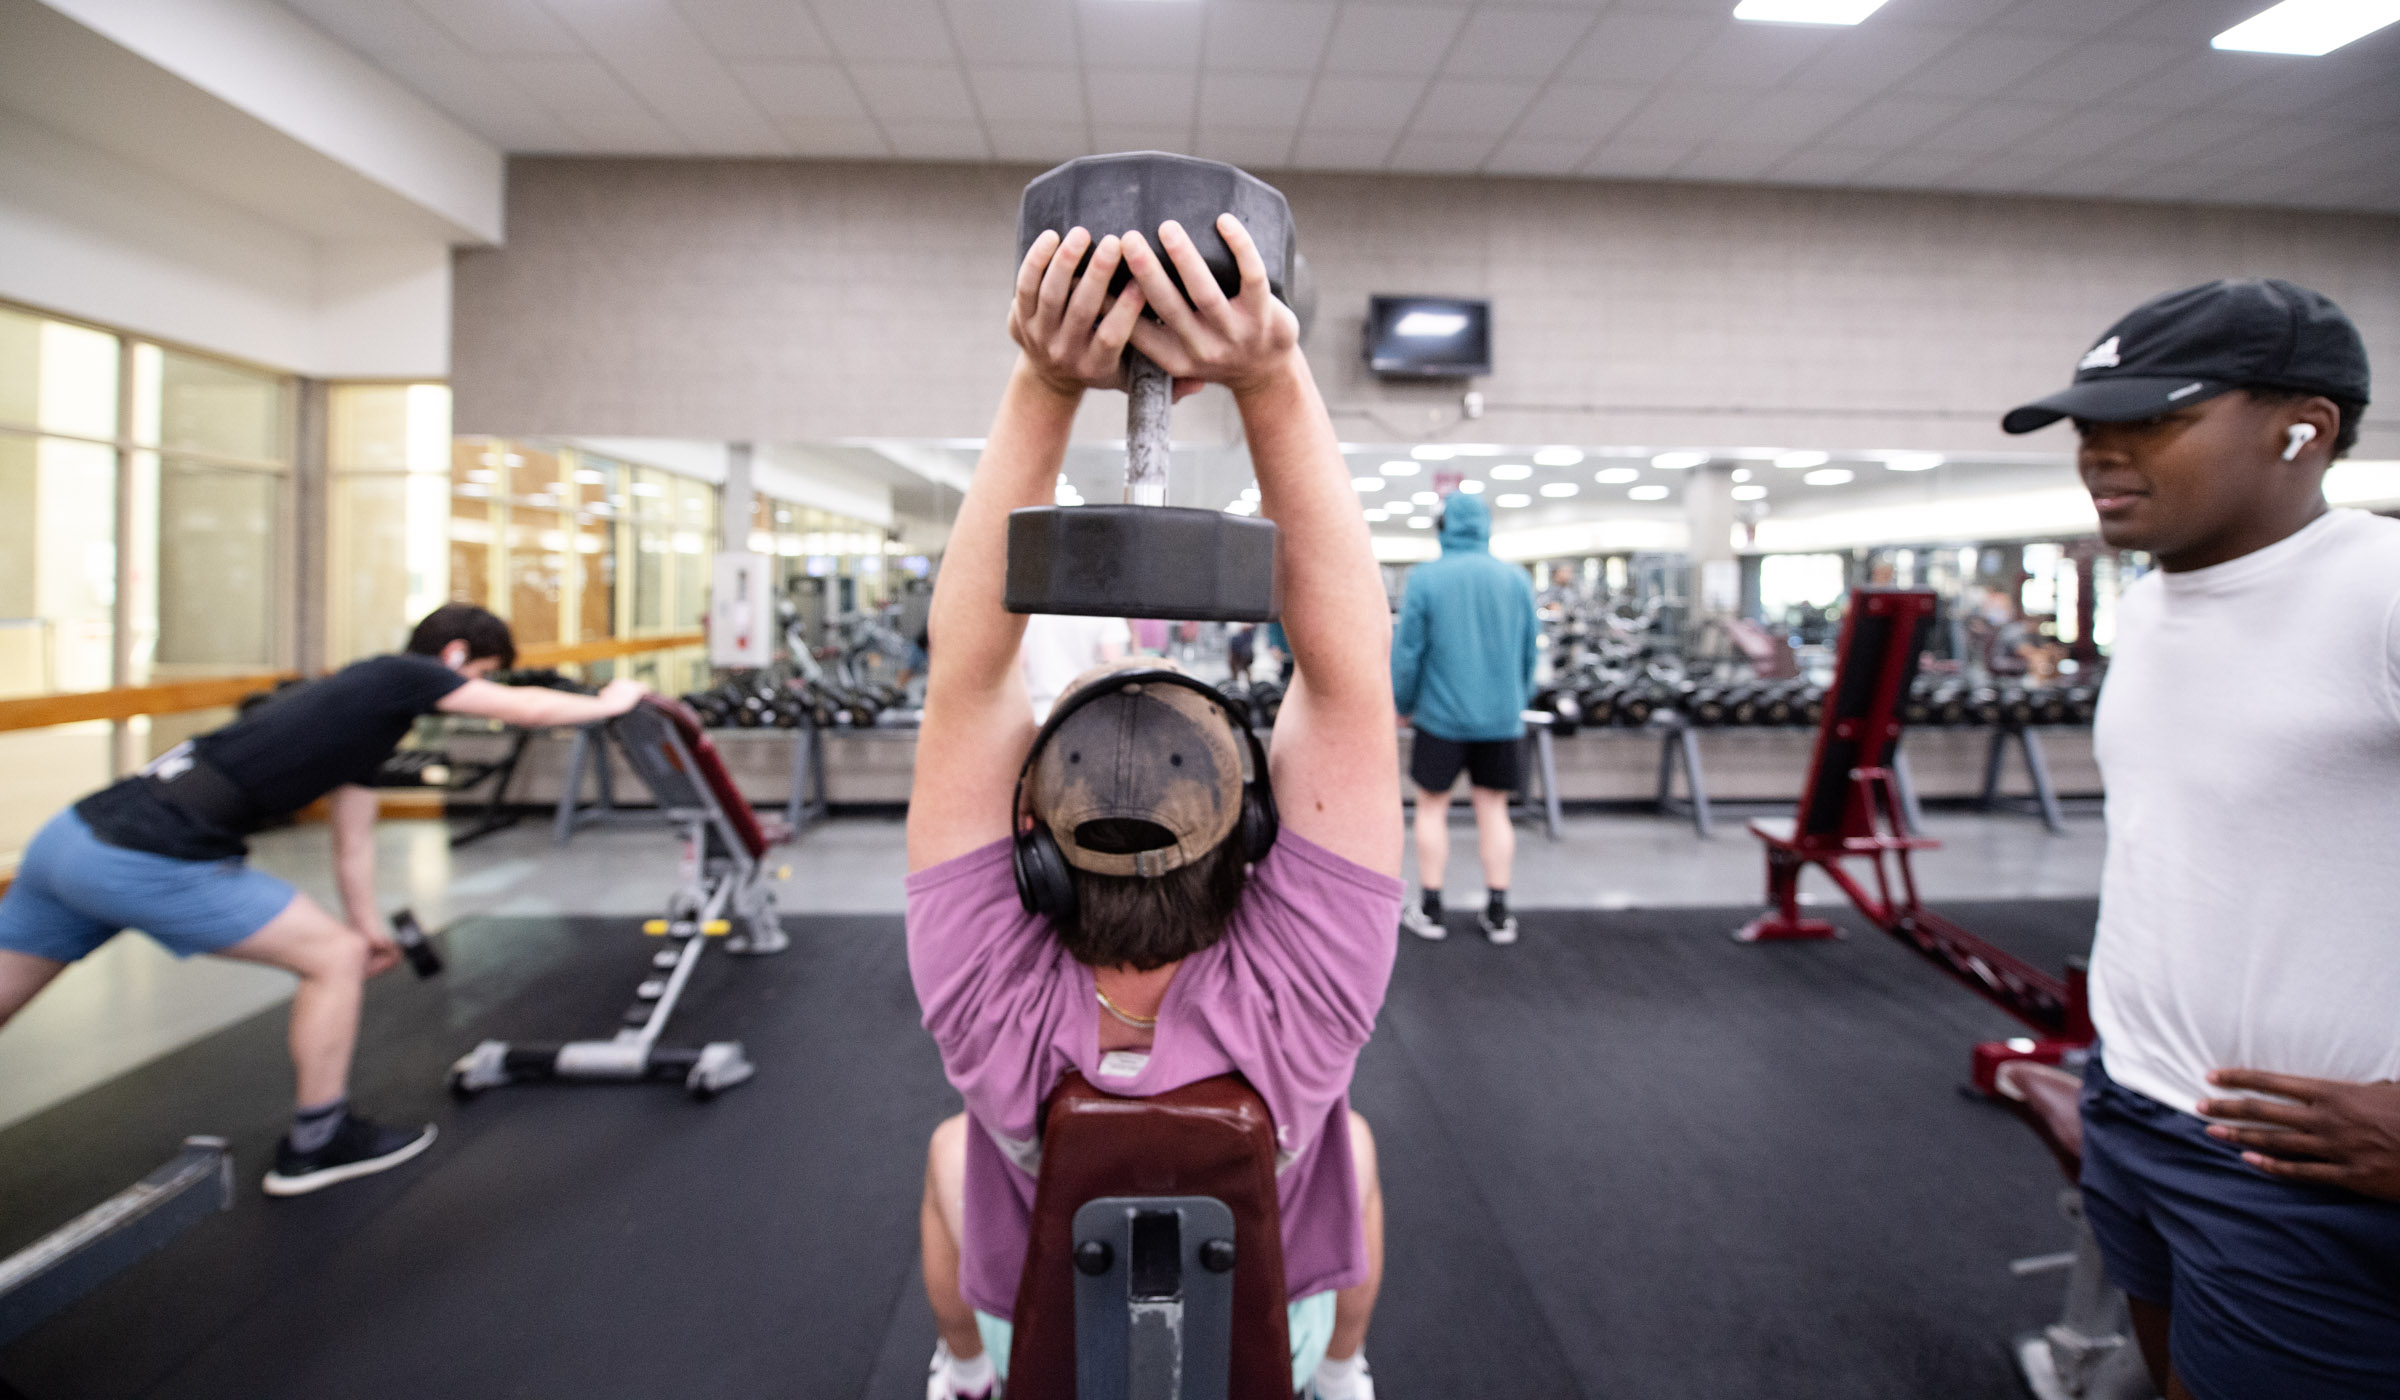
x=2189 y=346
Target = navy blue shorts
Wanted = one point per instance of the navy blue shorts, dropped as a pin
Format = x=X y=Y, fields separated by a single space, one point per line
x=1496 y=765
x=2278 y=1288
x=74 y=892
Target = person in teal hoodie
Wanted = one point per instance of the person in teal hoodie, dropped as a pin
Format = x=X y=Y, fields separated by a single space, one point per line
x=1462 y=672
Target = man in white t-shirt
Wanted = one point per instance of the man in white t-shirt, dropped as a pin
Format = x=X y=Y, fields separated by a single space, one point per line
x=1057 y=649
x=2242 y=1120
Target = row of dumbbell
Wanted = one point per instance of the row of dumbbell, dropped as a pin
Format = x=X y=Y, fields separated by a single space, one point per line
x=1931 y=703
x=1950 y=704
x=754 y=702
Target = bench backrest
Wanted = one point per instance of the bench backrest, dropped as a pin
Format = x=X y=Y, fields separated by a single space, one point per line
x=1213 y=1138
x=664 y=742
x=1883 y=632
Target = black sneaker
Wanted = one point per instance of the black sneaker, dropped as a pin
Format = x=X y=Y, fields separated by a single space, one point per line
x=360 y=1147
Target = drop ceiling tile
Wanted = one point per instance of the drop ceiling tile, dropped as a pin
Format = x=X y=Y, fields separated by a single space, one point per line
x=1992 y=126
x=588 y=100
x=1682 y=116
x=838 y=140
x=1153 y=36
x=1028 y=96
x=2176 y=182
x=1535 y=155
x=914 y=92
x=1146 y=136
x=1914 y=169
x=2083 y=135
x=885 y=31
x=937 y=140
x=1122 y=98
x=1042 y=143
x=1985 y=65
x=1440 y=155
x=801 y=92
x=1719 y=161
x=1252 y=148
x=2095 y=72
x=2273 y=144
x=1579 y=112
x=2203 y=79
x=1356 y=104
x=379 y=29
x=1253 y=101
x=1787 y=116
x=1340 y=150
x=1755 y=55
x=474 y=91
x=503 y=28
x=2072 y=17
x=1633 y=47
x=1508 y=42
x=1824 y=165
x=2013 y=171
x=1392 y=39
x=1963 y=13
x=2296 y=94
x=1637 y=160
x=756 y=29
x=2097 y=179
x=658 y=54
x=1246 y=36
x=1463 y=107
x=1893 y=122
x=2183 y=138
x=1876 y=59
x=1019 y=33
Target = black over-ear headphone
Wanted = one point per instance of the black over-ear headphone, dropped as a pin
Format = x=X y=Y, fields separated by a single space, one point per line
x=1045 y=882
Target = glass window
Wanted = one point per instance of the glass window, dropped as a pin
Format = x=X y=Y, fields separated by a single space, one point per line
x=388 y=452
x=475 y=465
x=222 y=410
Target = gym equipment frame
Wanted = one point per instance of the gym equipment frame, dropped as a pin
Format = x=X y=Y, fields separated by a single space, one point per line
x=1852 y=807
x=44 y=1277
x=725 y=896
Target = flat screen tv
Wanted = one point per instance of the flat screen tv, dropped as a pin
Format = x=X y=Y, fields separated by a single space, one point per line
x=1429 y=337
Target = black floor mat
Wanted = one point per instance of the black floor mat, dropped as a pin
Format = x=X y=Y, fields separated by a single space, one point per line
x=1626 y=1157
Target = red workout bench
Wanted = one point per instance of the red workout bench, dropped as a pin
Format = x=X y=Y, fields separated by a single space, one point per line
x=1850 y=808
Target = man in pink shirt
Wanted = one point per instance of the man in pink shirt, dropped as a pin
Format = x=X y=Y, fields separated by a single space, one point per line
x=1193 y=947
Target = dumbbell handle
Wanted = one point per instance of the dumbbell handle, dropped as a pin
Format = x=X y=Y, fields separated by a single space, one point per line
x=1149 y=397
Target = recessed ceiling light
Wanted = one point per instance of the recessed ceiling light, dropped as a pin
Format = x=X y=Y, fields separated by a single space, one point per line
x=1420 y=522
x=1367 y=483
x=1426 y=498
x=1511 y=471
x=1806 y=11
x=1558 y=457
x=1912 y=461
x=1556 y=489
x=1472 y=488
x=1377 y=517
x=1749 y=493
x=1678 y=461
x=1617 y=476
x=2308 y=27
x=1433 y=452
x=1798 y=461
x=1512 y=501
x=1741 y=474
x=1831 y=476
x=1402 y=467
x=1647 y=493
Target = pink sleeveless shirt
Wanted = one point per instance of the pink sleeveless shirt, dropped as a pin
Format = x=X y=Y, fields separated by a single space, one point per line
x=1288 y=997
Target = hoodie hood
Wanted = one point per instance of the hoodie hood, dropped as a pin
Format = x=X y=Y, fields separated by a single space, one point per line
x=1466 y=524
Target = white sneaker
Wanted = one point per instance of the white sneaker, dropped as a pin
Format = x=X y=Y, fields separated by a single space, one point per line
x=1414 y=918
x=1362 y=1386
x=1502 y=933
x=940 y=1386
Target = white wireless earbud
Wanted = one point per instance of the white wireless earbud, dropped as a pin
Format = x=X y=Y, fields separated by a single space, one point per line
x=2301 y=435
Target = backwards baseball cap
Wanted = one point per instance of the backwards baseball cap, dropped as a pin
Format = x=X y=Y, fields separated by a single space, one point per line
x=1140 y=779
x=2185 y=347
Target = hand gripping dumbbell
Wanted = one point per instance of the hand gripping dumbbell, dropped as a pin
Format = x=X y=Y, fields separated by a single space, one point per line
x=1145 y=558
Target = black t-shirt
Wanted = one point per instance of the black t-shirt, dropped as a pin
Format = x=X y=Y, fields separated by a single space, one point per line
x=287 y=753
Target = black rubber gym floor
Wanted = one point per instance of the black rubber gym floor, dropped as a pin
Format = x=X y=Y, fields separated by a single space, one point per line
x=1625 y=1158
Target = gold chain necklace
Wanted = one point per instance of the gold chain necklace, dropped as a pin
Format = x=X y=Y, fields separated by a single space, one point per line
x=1139 y=1023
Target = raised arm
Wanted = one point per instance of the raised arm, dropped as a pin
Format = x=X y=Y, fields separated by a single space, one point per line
x=1335 y=763
x=978 y=722
x=539 y=706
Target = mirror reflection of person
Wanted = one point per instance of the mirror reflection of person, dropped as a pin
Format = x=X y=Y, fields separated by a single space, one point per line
x=163 y=851
x=1182 y=958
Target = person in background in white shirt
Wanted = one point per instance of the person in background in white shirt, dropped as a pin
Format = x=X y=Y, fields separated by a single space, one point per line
x=1058 y=648
x=2241 y=1155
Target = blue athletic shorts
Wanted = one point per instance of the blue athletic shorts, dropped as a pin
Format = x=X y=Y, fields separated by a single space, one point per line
x=2278 y=1288
x=74 y=892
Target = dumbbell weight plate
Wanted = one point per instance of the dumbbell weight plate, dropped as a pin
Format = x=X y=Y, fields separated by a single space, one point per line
x=1142 y=561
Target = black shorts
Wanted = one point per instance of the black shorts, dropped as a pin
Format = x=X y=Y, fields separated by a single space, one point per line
x=1497 y=764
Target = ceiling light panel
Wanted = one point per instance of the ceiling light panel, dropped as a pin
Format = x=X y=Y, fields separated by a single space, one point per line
x=1558 y=457
x=1806 y=11
x=1511 y=471
x=1749 y=493
x=1830 y=476
x=1512 y=501
x=1617 y=476
x=1558 y=489
x=2308 y=27
x=1367 y=483
x=1402 y=467
x=1647 y=493
x=1678 y=461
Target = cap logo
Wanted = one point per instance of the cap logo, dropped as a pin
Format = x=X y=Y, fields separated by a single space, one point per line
x=2101 y=356
x=2186 y=391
